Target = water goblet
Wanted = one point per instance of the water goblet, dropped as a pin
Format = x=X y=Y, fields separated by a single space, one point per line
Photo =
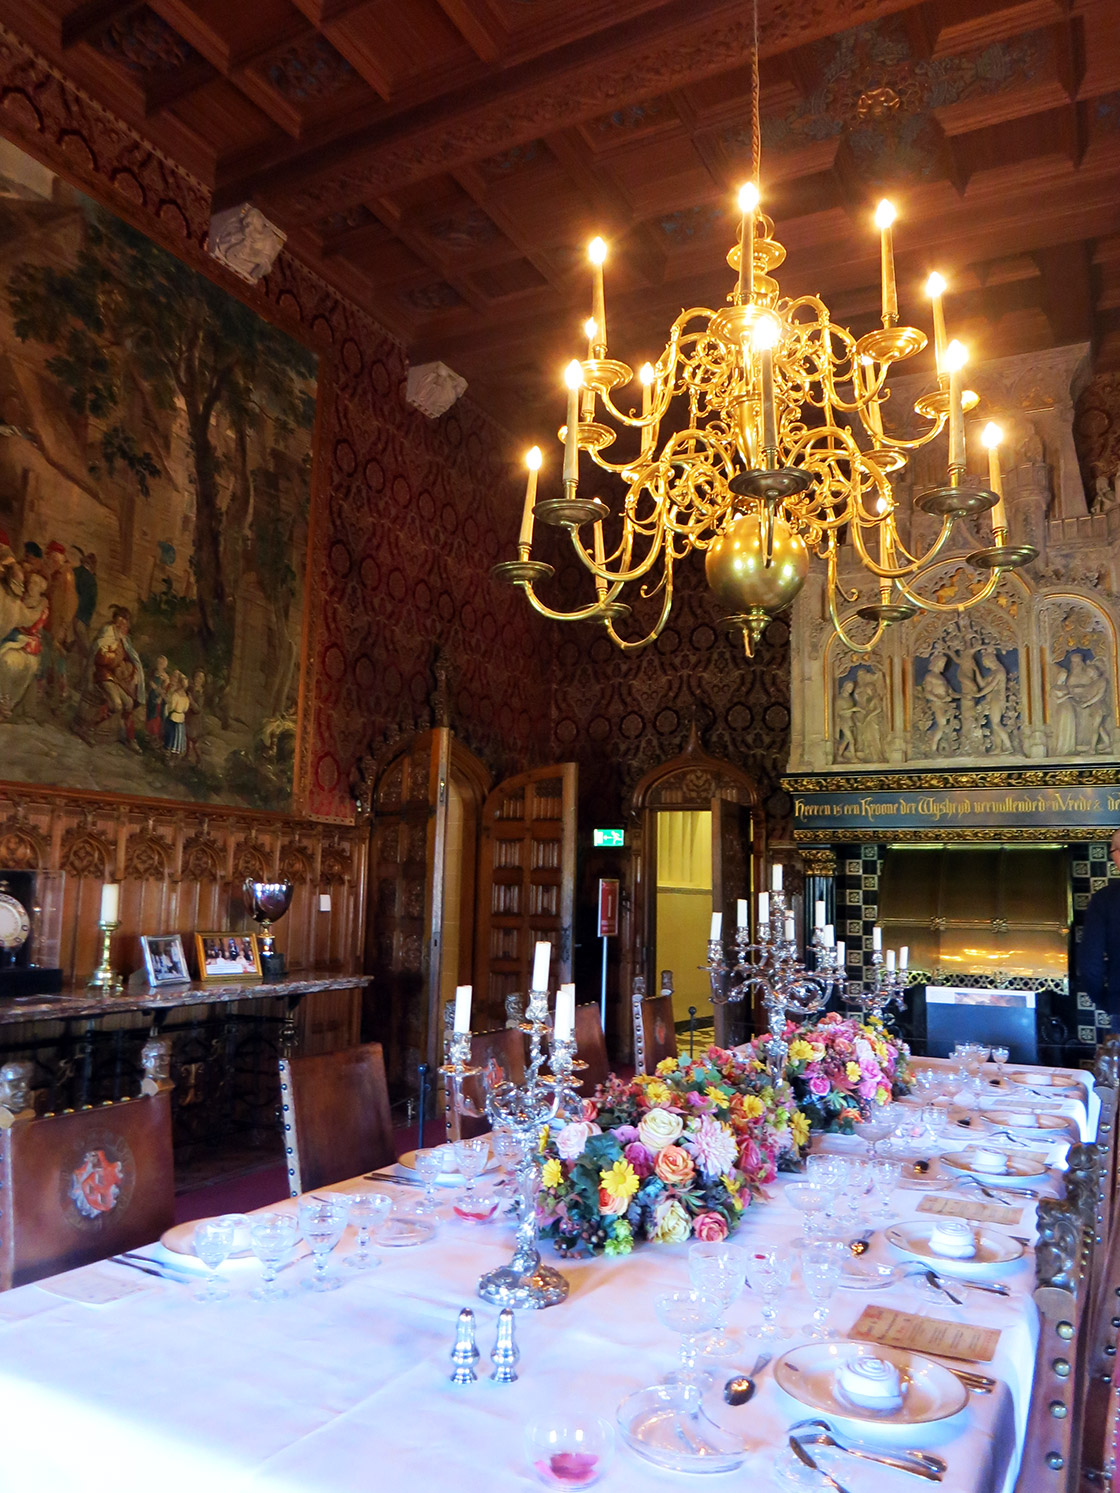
x=1000 y=1056
x=271 y=1237
x=369 y=1211
x=718 y=1269
x=213 y=1241
x=506 y=1151
x=811 y=1200
x=431 y=1164
x=821 y=1265
x=690 y=1314
x=769 y=1272
x=471 y=1159
x=885 y=1177
x=322 y=1222
x=879 y=1126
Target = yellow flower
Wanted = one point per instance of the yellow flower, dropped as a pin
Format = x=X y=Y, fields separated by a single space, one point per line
x=552 y=1173
x=671 y=1224
x=752 y=1107
x=667 y=1065
x=882 y=1095
x=658 y=1093
x=852 y=1070
x=546 y=1136
x=717 y=1095
x=800 y=1051
x=620 y=1180
x=799 y=1127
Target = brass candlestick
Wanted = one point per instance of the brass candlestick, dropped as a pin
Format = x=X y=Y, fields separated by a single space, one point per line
x=104 y=977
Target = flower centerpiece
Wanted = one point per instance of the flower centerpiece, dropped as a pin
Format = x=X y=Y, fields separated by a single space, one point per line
x=667 y=1156
x=841 y=1069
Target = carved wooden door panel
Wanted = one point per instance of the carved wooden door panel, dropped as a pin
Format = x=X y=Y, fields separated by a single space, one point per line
x=403 y=940
x=526 y=884
x=732 y=844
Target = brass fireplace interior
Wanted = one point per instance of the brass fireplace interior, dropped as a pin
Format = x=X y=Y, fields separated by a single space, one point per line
x=986 y=910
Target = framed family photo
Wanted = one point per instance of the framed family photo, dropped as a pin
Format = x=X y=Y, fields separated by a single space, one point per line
x=226 y=956
x=164 y=960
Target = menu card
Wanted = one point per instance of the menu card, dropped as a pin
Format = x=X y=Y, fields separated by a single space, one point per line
x=894 y=1329
x=974 y=1212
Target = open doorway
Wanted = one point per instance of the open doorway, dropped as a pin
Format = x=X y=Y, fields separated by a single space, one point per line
x=684 y=903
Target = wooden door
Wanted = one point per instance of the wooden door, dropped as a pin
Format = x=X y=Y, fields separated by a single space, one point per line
x=526 y=885
x=732 y=860
x=406 y=892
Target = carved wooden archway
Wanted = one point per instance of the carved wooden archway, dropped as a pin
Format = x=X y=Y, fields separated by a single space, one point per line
x=694 y=780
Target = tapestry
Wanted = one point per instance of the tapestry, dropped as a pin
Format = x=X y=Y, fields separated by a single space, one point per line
x=155 y=495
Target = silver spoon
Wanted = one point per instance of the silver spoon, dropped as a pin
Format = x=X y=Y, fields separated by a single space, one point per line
x=803 y=1455
x=739 y=1389
x=819 y=1433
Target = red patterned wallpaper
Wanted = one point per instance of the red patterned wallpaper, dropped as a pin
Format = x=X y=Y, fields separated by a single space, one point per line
x=410 y=513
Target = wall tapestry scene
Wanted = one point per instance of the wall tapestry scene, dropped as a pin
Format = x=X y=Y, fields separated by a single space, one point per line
x=155 y=484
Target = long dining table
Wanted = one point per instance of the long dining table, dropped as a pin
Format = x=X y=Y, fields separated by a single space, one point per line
x=112 y=1379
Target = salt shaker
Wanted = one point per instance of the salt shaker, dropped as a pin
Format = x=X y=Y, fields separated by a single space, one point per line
x=505 y=1353
x=464 y=1355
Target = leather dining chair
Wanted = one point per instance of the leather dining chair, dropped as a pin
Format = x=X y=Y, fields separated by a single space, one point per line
x=335 y=1111
x=591 y=1046
x=501 y=1055
x=658 y=1030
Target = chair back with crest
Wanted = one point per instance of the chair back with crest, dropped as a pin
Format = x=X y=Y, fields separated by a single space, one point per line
x=500 y=1055
x=591 y=1047
x=659 y=1029
x=83 y=1184
x=337 y=1122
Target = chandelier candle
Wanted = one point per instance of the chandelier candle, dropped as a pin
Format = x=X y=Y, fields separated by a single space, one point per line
x=764 y=337
x=935 y=289
x=587 y=400
x=525 y=539
x=573 y=377
x=647 y=376
x=991 y=436
x=597 y=253
x=600 y=560
x=748 y=206
x=956 y=356
x=884 y=217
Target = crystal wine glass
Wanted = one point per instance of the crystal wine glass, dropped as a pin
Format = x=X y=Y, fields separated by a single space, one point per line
x=322 y=1222
x=471 y=1158
x=1000 y=1056
x=369 y=1211
x=503 y=1143
x=271 y=1237
x=213 y=1241
x=691 y=1314
x=820 y=1271
x=431 y=1164
x=769 y=1272
x=811 y=1200
x=718 y=1269
x=885 y=1177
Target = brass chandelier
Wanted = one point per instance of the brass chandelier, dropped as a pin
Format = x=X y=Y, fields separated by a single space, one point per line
x=776 y=451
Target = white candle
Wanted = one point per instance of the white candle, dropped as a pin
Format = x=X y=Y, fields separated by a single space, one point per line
x=564 y=1021
x=890 y=961
x=818 y=915
x=776 y=878
x=748 y=206
x=935 y=289
x=884 y=217
x=462 y=1008
x=533 y=462
x=542 y=957
x=791 y=930
x=904 y=957
x=741 y=912
x=876 y=939
x=600 y=559
x=841 y=954
x=717 y=926
x=764 y=907
x=647 y=376
x=991 y=437
x=597 y=253
x=956 y=356
x=573 y=377
x=110 y=902
x=828 y=935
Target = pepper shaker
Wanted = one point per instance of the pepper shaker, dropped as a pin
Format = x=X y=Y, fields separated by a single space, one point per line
x=464 y=1355
x=505 y=1353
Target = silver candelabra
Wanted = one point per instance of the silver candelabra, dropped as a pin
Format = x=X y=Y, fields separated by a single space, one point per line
x=771 y=969
x=885 y=987
x=525 y=1111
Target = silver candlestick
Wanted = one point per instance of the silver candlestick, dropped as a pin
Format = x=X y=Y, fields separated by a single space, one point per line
x=886 y=987
x=524 y=1111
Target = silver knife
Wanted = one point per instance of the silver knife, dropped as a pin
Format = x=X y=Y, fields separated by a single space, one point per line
x=392 y=1181
x=803 y=1455
x=149 y=1267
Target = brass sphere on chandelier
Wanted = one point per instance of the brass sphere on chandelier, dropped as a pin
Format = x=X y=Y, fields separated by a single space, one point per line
x=750 y=570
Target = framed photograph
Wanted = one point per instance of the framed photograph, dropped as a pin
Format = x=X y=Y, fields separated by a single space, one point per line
x=164 y=960
x=227 y=956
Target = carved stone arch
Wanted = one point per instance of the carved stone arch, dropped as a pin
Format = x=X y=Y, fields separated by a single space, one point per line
x=22 y=847
x=147 y=856
x=86 y=853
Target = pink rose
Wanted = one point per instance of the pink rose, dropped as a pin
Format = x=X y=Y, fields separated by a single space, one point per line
x=590 y=1110
x=867 y=1089
x=624 y=1134
x=573 y=1137
x=610 y=1205
x=674 y=1166
x=750 y=1158
x=819 y=1085
x=639 y=1157
x=711 y=1227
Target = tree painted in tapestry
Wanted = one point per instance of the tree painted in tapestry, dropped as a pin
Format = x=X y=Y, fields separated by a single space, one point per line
x=155 y=473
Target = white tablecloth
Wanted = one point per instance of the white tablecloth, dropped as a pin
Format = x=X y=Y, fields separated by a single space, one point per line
x=1083 y=1107
x=349 y=1392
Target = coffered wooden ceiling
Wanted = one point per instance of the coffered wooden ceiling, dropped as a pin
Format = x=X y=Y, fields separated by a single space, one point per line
x=445 y=161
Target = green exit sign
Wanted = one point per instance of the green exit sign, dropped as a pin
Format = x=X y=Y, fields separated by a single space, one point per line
x=616 y=837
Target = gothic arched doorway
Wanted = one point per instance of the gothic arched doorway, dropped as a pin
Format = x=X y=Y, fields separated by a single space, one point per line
x=698 y=846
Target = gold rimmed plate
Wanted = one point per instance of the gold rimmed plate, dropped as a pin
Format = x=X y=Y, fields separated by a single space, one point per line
x=930 y=1392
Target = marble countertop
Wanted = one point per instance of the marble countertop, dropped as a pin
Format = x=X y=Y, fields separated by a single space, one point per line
x=91 y=1003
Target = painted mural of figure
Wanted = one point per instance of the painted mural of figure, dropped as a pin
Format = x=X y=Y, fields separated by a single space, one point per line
x=114 y=684
x=155 y=703
x=1064 y=715
x=21 y=648
x=85 y=586
x=845 y=721
x=196 y=715
x=175 y=715
x=941 y=699
x=1088 y=689
x=869 y=718
x=994 y=691
x=11 y=585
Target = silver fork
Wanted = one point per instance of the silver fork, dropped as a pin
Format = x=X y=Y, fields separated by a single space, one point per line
x=820 y=1433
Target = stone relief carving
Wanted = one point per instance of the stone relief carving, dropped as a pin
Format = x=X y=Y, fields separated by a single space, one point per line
x=860 y=713
x=966 y=687
x=1080 y=656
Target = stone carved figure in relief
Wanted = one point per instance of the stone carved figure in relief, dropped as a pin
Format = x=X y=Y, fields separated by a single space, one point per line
x=1063 y=716
x=1104 y=497
x=1087 y=685
x=869 y=717
x=966 y=676
x=845 y=721
x=942 y=702
x=993 y=677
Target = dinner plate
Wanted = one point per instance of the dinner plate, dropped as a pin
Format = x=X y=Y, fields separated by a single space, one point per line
x=180 y=1239
x=1042 y=1124
x=931 y=1392
x=993 y=1249
x=404 y=1229
x=1057 y=1083
x=406 y=1165
x=659 y=1425
x=1020 y=1169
